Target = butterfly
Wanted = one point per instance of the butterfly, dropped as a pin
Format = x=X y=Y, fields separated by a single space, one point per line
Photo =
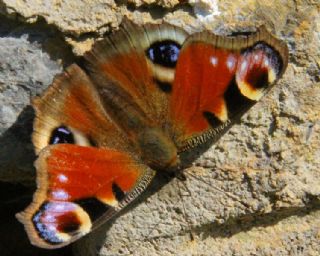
x=142 y=97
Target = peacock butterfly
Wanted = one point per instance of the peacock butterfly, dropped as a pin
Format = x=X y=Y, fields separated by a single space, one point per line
x=145 y=95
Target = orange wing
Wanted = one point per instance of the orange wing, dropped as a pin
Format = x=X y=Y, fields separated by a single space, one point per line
x=150 y=92
x=131 y=59
x=79 y=185
x=218 y=79
x=72 y=104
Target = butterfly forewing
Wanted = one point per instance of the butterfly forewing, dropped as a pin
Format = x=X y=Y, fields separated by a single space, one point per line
x=86 y=169
x=130 y=58
x=218 y=78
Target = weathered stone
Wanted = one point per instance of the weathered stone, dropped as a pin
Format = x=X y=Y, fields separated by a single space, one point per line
x=255 y=192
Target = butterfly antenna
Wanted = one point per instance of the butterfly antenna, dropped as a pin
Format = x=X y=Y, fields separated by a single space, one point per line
x=184 y=206
x=149 y=237
x=179 y=179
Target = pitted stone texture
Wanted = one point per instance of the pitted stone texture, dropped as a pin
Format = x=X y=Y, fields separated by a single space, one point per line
x=256 y=191
x=163 y=3
x=97 y=16
x=73 y=17
x=29 y=59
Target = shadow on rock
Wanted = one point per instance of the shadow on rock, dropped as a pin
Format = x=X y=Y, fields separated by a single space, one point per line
x=17 y=185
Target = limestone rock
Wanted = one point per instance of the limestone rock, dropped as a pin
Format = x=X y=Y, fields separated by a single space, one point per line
x=255 y=192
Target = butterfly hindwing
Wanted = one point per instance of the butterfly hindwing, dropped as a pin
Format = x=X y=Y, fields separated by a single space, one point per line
x=77 y=188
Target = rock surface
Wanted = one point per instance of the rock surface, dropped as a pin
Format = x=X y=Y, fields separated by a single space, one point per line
x=255 y=192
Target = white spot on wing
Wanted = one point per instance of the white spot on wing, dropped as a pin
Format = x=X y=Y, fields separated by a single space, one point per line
x=231 y=62
x=51 y=227
x=60 y=207
x=48 y=218
x=214 y=61
x=244 y=65
x=62 y=178
x=60 y=194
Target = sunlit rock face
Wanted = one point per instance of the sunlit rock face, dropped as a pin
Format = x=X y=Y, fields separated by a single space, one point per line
x=255 y=192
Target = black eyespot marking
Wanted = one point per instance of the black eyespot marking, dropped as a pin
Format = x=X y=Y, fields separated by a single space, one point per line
x=212 y=119
x=164 y=53
x=69 y=223
x=42 y=229
x=164 y=86
x=236 y=102
x=92 y=142
x=272 y=53
x=93 y=207
x=61 y=135
x=258 y=78
x=53 y=218
x=273 y=56
x=118 y=192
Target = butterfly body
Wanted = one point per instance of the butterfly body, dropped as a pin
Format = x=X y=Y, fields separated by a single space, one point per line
x=144 y=95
